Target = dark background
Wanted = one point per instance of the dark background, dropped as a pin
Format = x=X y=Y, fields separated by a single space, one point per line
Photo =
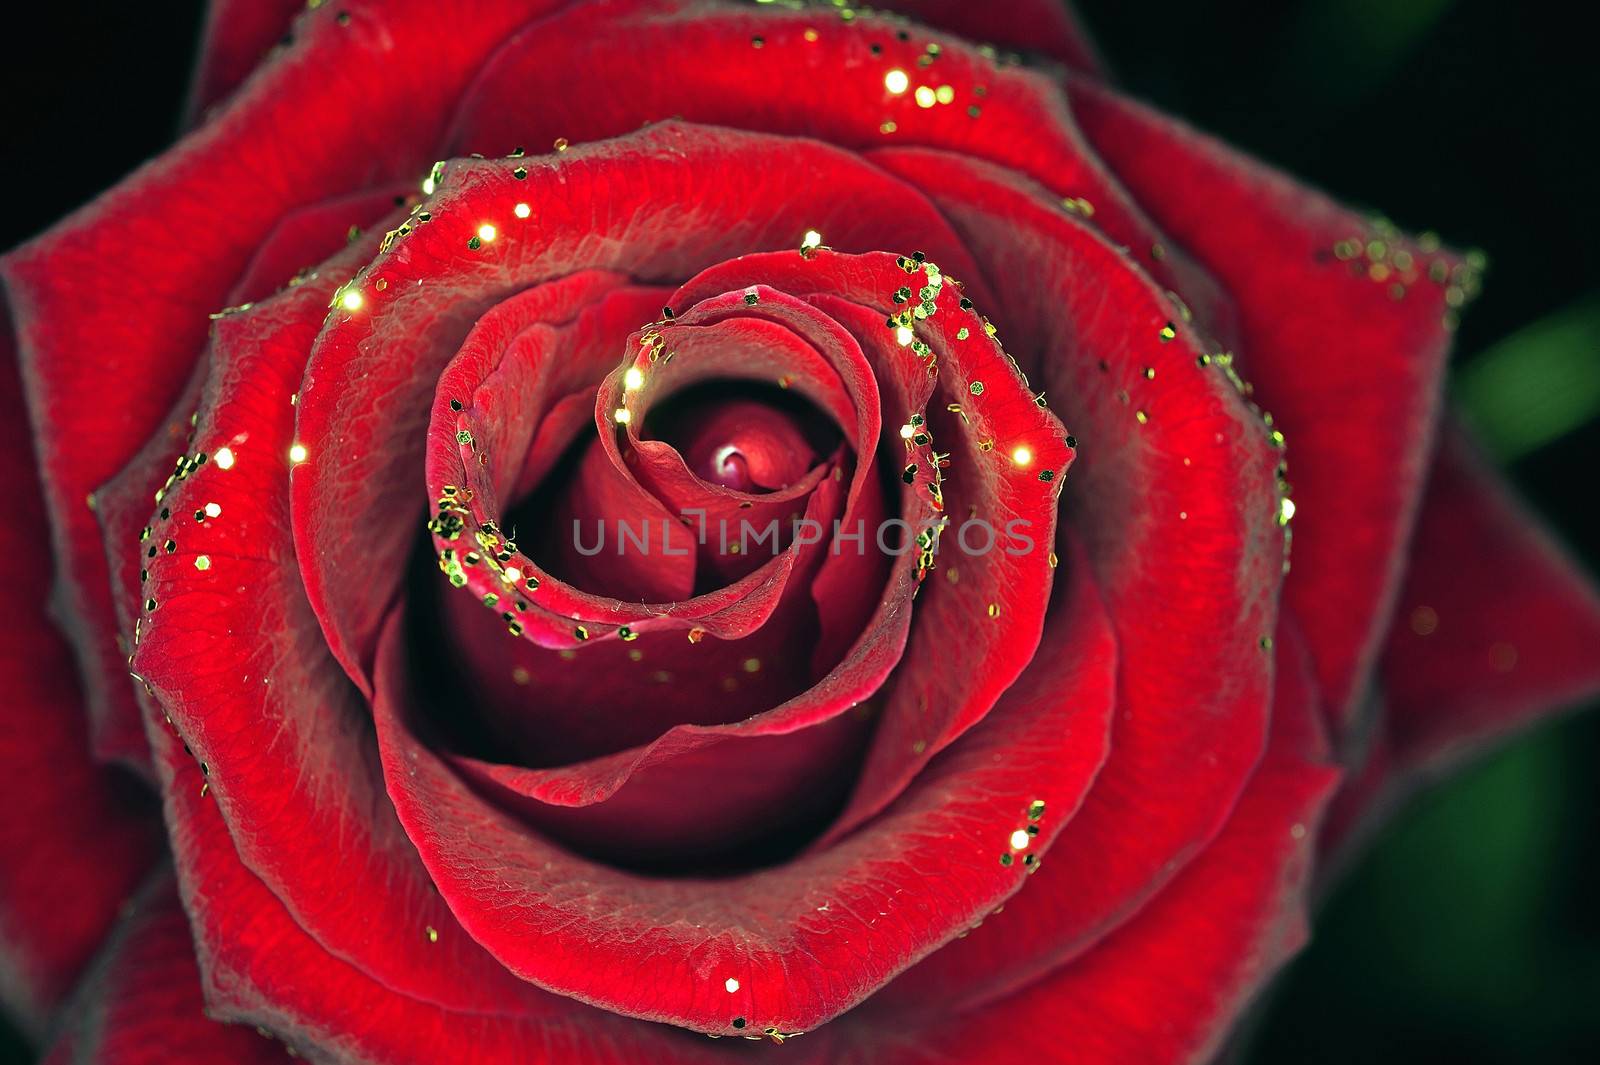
x=1469 y=933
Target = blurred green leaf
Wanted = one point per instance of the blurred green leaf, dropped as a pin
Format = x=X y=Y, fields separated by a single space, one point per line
x=1462 y=876
x=1537 y=384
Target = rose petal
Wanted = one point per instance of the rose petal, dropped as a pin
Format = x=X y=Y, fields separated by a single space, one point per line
x=736 y=348
x=1047 y=26
x=259 y=966
x=547 y=342
x=1351 y=373
x=1250 y=894
x=777 y=772
x=361 y=416
x=124 y=503
x=521 y=591
x=817 y=357
x=798 y=943
x=793 y=742
x=636 y=681
x=1497 y=625
x=305 y=236
x=76 y=838
x=114 y=299
x=995 y=422
x=1169 y=986
x=141 y=1004
x=775 y=70
x=237 y=36
x=744 y=446
x=1034 y=936
x=1176 y=498
x=231 y=652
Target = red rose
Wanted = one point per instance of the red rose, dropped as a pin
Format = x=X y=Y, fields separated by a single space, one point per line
x=441 y=782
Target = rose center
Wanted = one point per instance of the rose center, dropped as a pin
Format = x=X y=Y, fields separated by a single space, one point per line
x=750 y=442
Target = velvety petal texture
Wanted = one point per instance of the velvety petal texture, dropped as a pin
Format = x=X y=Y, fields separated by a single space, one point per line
x=938 y=687
x=1249 y=886
x=263 y=709
x=141 y=1004
x=182 y=229
x=1177 y=498
x=1344 y=326
x=238 y=35
x=1467 y=663
x=76 y=838
x=1469 y=660
x=1047 y=26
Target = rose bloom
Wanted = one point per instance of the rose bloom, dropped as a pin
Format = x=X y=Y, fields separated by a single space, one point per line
x=303 y=423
